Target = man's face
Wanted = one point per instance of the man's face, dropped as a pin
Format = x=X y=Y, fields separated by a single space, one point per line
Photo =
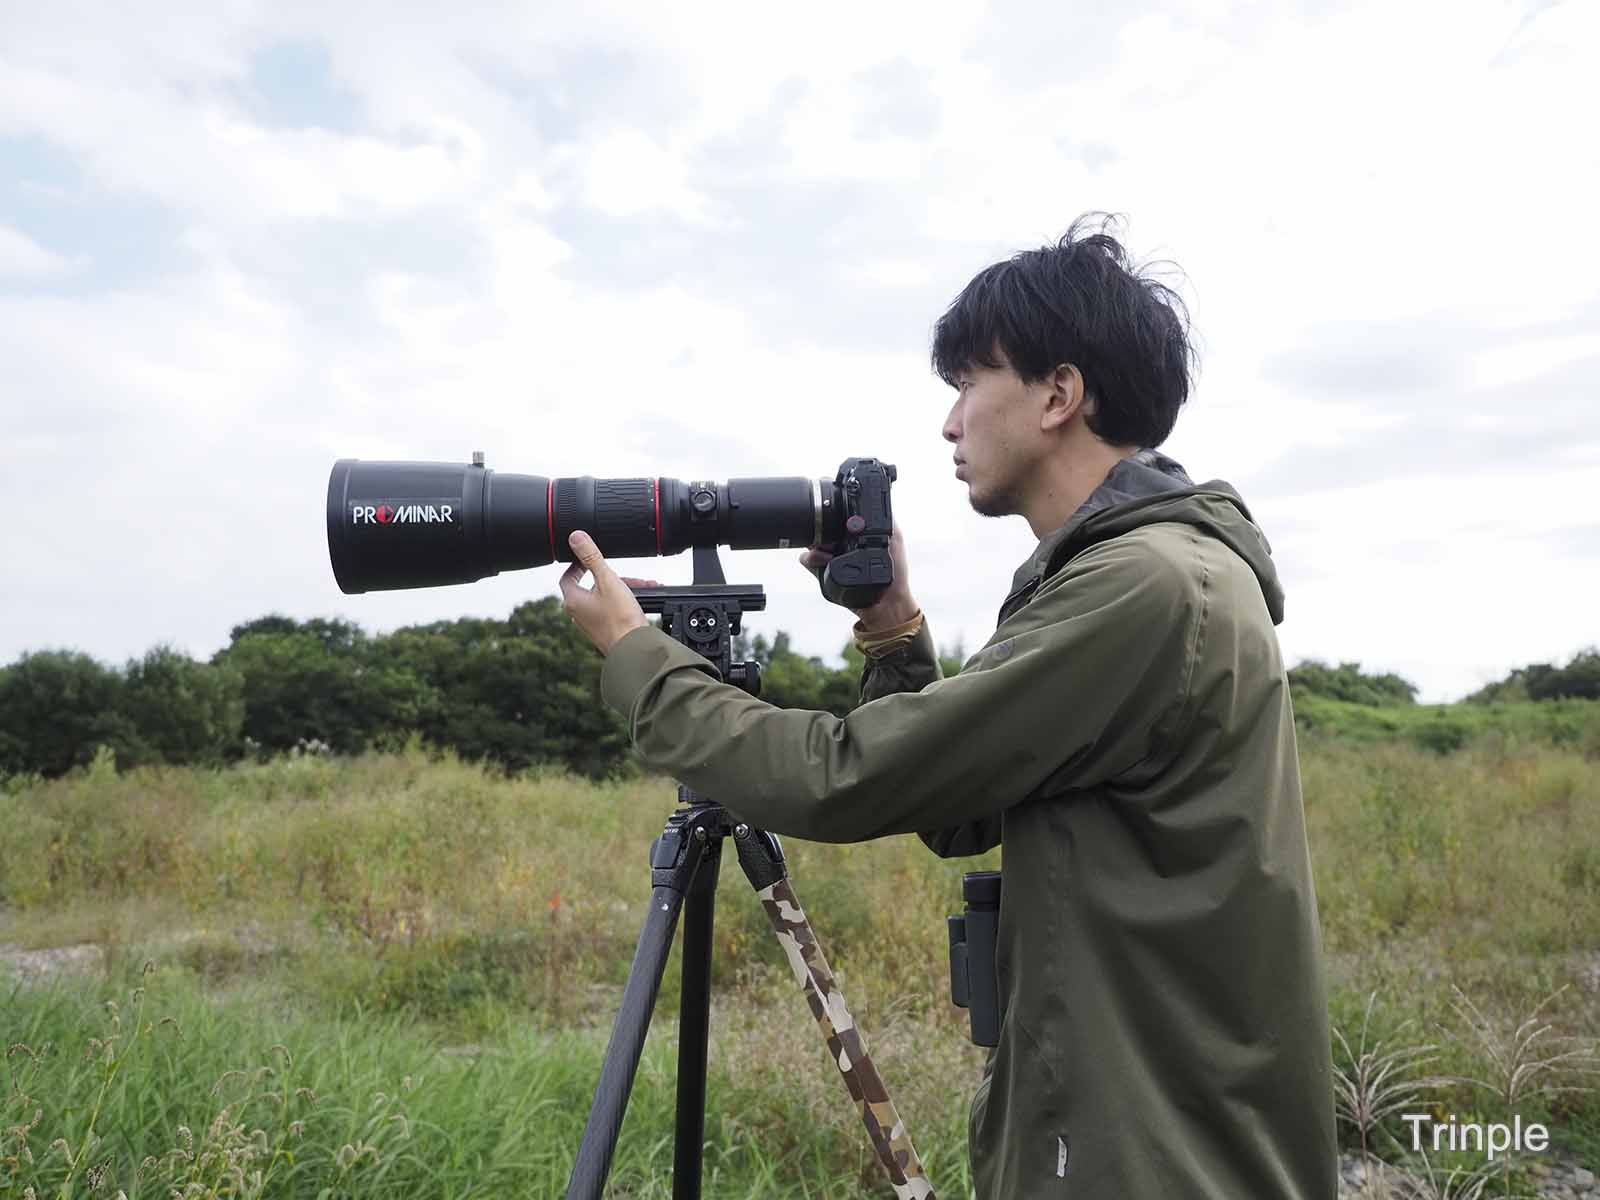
x=994 y=426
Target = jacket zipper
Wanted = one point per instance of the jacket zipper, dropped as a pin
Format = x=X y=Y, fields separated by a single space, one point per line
x=1018 y=598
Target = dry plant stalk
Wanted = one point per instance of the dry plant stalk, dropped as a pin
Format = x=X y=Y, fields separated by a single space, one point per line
x=1378 y=1083
x=1528 y=1063
x=1459 y=1184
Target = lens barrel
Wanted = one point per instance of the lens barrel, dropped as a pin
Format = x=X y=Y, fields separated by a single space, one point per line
x=413 y=524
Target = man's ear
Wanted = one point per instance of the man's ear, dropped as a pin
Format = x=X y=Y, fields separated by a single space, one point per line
x=1067 y=397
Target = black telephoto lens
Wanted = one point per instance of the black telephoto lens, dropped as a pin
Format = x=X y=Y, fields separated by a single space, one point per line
x=414 y=524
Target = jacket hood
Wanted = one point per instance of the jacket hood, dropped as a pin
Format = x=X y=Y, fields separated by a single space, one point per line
x=1145 y=488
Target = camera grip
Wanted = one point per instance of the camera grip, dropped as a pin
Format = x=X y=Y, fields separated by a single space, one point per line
x=859 y=578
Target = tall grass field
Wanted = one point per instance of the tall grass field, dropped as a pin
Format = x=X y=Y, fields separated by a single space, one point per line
x=394 y=975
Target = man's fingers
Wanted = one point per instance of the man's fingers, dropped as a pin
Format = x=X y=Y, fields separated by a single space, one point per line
x=589 y=556
x=584 y=549
x=570 y=587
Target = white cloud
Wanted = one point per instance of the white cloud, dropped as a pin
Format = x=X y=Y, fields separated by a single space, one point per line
x=624 y=239
x=23 y=258
x=627 y=174
x=1526 y=360
x=889 y=273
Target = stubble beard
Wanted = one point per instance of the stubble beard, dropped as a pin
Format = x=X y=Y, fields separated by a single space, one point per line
x=998 y=501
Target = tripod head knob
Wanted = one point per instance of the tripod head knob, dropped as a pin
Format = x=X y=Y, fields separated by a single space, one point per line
x=746 y=675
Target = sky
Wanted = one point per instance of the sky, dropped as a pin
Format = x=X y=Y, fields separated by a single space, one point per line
x=239 y=241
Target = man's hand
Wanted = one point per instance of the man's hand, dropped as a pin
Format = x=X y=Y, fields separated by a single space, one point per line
x=608 y=610
x=895 y=606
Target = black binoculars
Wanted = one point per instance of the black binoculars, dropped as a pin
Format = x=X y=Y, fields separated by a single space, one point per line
x=974 y=979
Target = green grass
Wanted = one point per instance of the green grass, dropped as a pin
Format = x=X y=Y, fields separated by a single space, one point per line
x=1571 y=724
x=498 y=1118
x=395 y=916
x=1487 y=852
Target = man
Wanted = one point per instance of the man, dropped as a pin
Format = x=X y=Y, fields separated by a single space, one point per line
x=1126 y=734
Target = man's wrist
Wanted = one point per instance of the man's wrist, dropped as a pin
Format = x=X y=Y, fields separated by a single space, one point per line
x=880 y=619
x=887 y=640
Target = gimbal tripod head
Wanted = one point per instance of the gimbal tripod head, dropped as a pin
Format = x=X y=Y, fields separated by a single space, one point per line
x=707 y=614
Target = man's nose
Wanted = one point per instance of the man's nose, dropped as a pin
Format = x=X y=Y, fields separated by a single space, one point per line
x=952 y=424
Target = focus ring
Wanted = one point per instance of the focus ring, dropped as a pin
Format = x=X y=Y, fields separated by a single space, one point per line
x=565 y=516
x=625 y=517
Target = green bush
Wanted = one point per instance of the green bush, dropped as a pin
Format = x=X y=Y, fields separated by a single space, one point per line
x=1349 y=683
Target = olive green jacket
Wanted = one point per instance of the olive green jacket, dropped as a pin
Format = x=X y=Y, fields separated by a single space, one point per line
x=1127 y=734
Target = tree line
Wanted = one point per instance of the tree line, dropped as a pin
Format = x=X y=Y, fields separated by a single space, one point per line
x=1579 y=679
x=515 y=692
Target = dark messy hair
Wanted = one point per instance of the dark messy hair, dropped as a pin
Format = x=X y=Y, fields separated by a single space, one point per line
x=1081 y=302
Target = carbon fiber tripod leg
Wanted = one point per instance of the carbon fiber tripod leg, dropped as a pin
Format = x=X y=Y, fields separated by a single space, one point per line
x=762 y=860
x=694 y=1025
x=675 y=858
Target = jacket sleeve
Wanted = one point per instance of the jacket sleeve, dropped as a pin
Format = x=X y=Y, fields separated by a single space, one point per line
x=910 y=669
x=1080 y=684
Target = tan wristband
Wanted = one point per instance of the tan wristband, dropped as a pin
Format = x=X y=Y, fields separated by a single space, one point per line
x=886 y=641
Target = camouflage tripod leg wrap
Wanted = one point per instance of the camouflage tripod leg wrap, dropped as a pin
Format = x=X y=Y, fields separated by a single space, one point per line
x=884 y=1127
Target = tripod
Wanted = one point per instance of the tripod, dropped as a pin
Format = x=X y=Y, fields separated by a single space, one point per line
x=685 y=862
